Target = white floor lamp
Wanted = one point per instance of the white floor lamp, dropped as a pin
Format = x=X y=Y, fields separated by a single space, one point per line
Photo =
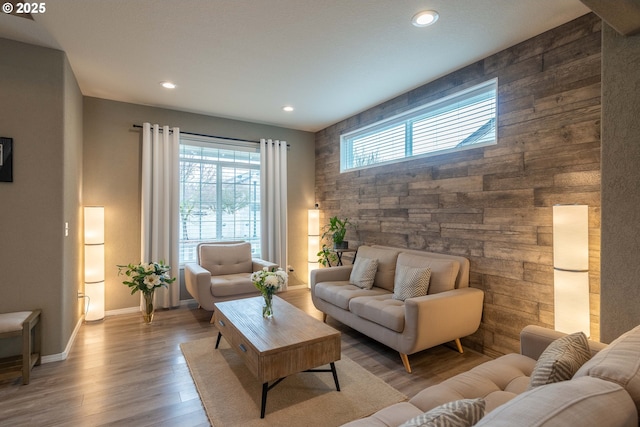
x=94 y=262
x=571 y=268
x=313 y=236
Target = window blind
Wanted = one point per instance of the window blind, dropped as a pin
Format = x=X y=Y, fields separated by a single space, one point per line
x=457 y=122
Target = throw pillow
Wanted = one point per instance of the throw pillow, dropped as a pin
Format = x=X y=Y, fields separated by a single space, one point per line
x=561 y=360
x=618 y=363
x=363 y=272
x=460 y=413
x=411 y=282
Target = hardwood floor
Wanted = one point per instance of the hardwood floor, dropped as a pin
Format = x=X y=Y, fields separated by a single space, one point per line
x=121 y=372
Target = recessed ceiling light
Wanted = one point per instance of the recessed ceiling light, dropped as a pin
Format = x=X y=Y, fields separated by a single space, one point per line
x=424 y=18
x=287 y=108
x=168 y=85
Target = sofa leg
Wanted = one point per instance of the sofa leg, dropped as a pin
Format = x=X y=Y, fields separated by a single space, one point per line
x=459 y=345
x=405 y=362
x=324 y=317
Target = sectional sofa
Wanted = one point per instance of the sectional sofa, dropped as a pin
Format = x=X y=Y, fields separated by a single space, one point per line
x=604 y=391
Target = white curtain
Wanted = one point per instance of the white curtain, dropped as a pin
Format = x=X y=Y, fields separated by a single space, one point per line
x=160 y=203
x=273 y=201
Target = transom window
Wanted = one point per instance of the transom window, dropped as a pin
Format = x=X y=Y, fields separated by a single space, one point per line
x=466 y=119
x=219 y=194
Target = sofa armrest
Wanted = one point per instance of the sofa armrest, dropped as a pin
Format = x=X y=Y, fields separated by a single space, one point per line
x=331 y=274
x=535 y=339
x=259 y=264
x=197 y=281
x=442 y=317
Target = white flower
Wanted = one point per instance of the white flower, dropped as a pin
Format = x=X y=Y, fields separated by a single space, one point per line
x=152 y=280
x=272 y=280
x=282 y=275
x=149 y=267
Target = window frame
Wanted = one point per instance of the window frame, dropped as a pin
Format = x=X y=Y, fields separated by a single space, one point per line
x=220 y=163
x=408 y=118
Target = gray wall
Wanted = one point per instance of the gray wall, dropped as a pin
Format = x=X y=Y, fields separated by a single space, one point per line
x=41 y=109
x=112 y=179
x=620 y=293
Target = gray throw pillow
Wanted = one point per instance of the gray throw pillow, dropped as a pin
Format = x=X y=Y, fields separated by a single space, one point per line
x=561 y=360
x=363 y=272
x=459 y=413
x=410 y=282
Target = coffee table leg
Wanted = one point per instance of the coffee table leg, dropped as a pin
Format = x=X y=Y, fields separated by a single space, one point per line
x=218 y=340
x=265 y=389
x=335 y=375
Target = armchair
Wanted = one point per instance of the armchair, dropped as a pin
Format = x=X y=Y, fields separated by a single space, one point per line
x=222 y=272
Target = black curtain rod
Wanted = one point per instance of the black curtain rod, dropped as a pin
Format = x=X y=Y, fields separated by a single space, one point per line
x=209 y=136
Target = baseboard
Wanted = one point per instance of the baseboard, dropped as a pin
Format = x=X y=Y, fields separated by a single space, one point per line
x=128 y=310
x=62 y=356
x=303 y=286
x=136 y=309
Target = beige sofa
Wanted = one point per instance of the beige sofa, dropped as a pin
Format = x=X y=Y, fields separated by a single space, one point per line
x=222 y=273
x=604 y=392
x=449 y=311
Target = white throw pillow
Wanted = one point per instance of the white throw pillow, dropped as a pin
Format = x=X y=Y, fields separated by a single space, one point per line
x=411 y=282
x=363 y=272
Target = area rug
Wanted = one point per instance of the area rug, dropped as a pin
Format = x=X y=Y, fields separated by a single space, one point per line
x=231 y=394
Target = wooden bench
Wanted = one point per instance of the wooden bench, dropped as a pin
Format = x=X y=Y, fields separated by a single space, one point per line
x=26 y=324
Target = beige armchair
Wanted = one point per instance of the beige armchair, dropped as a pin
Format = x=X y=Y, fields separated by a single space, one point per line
x=223 y=272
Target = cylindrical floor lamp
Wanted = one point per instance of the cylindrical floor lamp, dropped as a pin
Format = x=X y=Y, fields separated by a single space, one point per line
x=94 y=262
x=313 y=240
x=571 y=268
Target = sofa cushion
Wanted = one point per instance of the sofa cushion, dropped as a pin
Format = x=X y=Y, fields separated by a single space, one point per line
x=459 y=413
x=387 y=259
x=341 y=292
x=410 y=282
x=496 y=381
x=232 y=284
x=380 y=309
x=363 y=272
x=393 y=415
x=443 y=272
x=619 y=362
x=225 y=258
x=584 y=402
x=561 y=360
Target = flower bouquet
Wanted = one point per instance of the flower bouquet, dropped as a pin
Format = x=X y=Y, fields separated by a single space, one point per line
x=268 y=283
x=146 y=278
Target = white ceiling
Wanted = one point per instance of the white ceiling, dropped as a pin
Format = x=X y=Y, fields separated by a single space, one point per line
x=245 y=59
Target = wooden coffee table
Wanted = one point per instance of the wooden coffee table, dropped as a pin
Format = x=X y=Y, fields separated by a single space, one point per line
x=290 y=342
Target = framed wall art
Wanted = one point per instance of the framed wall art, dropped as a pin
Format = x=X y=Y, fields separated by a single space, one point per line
x=6 y=159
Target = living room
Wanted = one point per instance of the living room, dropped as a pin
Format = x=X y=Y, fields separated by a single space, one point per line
x=567 y=135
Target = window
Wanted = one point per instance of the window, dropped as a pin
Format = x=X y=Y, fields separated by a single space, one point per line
x=466 y=119
x=219 y=194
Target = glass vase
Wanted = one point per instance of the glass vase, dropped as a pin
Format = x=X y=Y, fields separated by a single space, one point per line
x=148 y=309
x=267 y=307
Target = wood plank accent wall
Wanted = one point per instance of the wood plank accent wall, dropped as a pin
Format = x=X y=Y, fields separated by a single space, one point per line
x=493 y=204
